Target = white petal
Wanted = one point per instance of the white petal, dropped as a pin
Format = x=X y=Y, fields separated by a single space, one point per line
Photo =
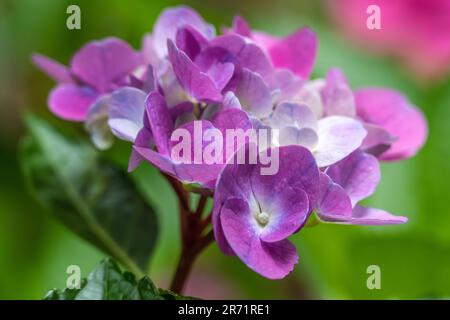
x=338 y=137
x=126 y=112
x=293 y=114
x=305 y=137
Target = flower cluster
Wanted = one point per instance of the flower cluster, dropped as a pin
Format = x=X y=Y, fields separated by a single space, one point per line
x=329 y=138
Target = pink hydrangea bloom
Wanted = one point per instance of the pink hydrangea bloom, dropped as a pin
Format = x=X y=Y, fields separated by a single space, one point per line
x=416 y=31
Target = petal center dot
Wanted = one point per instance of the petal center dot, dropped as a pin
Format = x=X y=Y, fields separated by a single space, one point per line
x=262 y=218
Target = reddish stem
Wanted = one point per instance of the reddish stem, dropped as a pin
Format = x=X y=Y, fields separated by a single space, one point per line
x=182 y=195
x=186 y=262
x=192 y=238
x=201 y=206
x=206 y=222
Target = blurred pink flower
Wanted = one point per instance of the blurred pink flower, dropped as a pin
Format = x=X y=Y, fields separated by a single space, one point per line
x=415 y=31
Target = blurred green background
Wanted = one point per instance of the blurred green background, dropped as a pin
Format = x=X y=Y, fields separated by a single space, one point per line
x=35 y=249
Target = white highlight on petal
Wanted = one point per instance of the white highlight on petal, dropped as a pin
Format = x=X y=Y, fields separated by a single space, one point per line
x=338 y=137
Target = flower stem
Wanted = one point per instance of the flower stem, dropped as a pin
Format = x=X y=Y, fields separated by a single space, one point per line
x=187 y=260
x=193 y=239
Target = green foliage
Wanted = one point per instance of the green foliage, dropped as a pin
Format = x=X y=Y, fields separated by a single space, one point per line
x=108 y=282
x=92 y=197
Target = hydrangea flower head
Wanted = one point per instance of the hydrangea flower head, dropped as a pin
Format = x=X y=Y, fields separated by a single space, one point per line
x=328 y=137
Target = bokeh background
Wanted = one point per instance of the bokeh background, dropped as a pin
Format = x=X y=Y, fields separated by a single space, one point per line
x=35 y=249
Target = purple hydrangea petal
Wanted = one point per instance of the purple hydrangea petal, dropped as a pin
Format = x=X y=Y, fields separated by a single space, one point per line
x=247 y=53
x=221 y=74
x=149 y=81
x=181 y=109
x=100 y=63
x=310 y=95
x=293 y=114
x=305 y=137
x=374 y=217
x=264 y=40
x=288 y=212
x=218 y=64
x=149 y=55
x=96 y=123
x=196 y=141
x=202 y=174
x=126 y=112
x=359 y=174
x=241 y=27
x=219 y=236
x=170 y=87
x=391 y=111
x=52 y=68
x=231 y=182
x=222 y=121
x=296 y=52
x=334 y=203
x=231 y=118
x=338 y=98
x=253 y=94
x=197 y=83
x=160 y=121
x=377 y=140
x=144 y=139
x=170 y=20
x=231 y=101
x=186 y=167
x=234 y=181
x=71 y=102
x=162 y=162
x=334 y=206
x=287 y=84
x=338 y=137
x=296 y=169
x=190 y=41
x=272 y=260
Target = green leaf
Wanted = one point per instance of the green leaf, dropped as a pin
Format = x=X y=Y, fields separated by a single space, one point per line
x=108 y=282
x=66 y=294
x=169 y=295
x=94 y=198
x=147 y=290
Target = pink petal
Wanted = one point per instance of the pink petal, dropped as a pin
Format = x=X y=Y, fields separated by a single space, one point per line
x=253 y=94
x=296 y=52
x=359 y=174
x=71 y=102
x=100 y=63
x=241 y=27
x=52 y=68
x=391 y=111
x=198 y=84
x=168 y=23
x=373 y=217
x=333 y=203
x=160 y=121
x=338 y=98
